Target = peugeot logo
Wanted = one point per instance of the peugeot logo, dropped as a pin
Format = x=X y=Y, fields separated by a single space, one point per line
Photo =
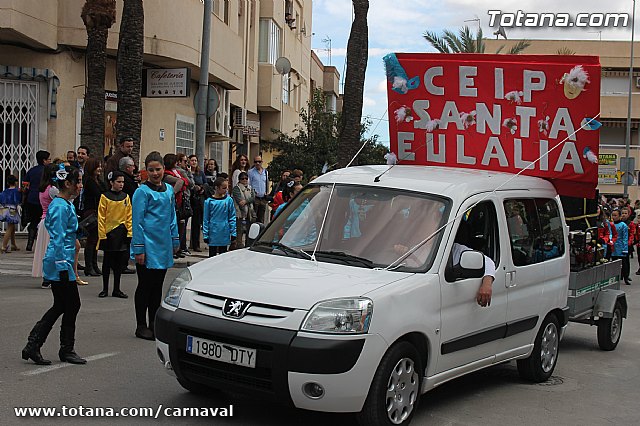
x=235 y=308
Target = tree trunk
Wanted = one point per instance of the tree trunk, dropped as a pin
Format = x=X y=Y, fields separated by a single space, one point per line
x=92 y=130
x=130 y=53
x=357 y=55
x=98 y=16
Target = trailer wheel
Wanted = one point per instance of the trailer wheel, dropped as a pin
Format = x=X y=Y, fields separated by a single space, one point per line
x=539 y=366
x=610 y=329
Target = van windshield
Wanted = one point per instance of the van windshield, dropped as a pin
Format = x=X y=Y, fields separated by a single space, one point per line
x=365 y=227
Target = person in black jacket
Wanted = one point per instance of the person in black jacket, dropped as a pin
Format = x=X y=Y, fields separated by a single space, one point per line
x=127 y=166
x=93 y=187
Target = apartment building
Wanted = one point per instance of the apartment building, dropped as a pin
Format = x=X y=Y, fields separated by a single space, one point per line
x=614 y=96
x=42 y=76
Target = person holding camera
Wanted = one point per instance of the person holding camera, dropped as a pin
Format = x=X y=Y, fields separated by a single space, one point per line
x=62 y=224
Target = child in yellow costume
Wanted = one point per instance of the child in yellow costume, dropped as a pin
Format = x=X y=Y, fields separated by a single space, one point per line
x=114 y=233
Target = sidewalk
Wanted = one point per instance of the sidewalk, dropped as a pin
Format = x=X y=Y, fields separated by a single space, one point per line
x=19 y=262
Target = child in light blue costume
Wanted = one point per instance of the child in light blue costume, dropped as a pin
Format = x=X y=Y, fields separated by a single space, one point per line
x=155 y=240
x=62 y=224
x=219 y=223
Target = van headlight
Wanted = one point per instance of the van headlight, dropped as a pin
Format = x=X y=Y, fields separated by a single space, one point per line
x=340 y=316
x=176 y=288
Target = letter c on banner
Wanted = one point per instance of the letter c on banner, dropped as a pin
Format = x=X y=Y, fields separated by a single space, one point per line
x=428 y=80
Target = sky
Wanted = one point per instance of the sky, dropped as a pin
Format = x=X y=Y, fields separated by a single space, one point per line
x=399 y=25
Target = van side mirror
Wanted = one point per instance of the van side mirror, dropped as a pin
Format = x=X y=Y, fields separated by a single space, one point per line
x=254 y=232
x=471 y=266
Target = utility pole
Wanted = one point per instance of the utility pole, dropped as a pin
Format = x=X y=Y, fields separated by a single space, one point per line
x=203 y=87
x=627 y=141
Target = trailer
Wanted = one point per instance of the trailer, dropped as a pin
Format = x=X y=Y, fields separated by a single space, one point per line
x=595 y=297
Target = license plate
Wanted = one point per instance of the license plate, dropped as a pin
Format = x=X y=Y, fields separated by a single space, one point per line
x=222 y=352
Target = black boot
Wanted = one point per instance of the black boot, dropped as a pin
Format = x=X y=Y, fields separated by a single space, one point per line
x=35 y=340
x=89 y=255
x=67 y=341
x=31 y=238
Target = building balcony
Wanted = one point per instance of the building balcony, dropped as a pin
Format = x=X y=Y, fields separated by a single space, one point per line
x=269 y=88
x=30 y=22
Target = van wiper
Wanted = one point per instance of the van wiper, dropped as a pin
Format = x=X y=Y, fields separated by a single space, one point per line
x=340 y=255
x=284 y=247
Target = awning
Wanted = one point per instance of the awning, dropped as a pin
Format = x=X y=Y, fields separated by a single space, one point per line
x=36 y=74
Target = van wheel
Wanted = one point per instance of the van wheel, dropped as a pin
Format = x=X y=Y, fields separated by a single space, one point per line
x=610 y=329
x=395 y=390
x=539 y=366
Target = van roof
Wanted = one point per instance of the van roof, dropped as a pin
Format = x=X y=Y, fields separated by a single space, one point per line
x=447 y=181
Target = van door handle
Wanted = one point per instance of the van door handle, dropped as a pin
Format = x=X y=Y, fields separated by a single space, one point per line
x=510 y=280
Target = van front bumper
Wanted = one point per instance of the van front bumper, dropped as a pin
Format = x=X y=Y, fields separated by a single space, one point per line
x=286 y=360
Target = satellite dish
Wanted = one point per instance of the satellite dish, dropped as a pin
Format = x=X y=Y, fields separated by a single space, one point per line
x=500 y=32
x=283 y=65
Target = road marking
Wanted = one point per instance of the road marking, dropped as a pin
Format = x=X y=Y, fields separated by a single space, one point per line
x=66 y=364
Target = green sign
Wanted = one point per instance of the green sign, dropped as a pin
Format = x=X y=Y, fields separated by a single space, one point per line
x=607 y=159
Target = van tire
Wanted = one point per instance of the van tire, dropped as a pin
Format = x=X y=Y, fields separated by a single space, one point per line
x=539 y=366
x=610 y=329
x=401 y=364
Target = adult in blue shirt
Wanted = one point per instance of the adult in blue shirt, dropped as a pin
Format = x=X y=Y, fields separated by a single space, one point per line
x=259 y=181
x=57 y=266
x=32 y=207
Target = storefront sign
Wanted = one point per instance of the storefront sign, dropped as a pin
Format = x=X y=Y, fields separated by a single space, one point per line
x=607 y=175
x=167 y=83
x=498 y=112
x=607 y=159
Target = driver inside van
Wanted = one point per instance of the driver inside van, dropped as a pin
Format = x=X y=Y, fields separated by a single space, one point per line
x=460 y=245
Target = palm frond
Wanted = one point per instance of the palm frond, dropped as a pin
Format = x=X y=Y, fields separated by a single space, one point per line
x=436 y=42
x=479 y=41
x=519 y=47
x=565 y=51
x=467 y=40
x=455 y=44
x=500 y=49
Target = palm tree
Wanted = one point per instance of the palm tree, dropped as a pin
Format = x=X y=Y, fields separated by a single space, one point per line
x=565 y=51
x=129 y=73
x=98 y=16
x=466 y=42
x=357 y=54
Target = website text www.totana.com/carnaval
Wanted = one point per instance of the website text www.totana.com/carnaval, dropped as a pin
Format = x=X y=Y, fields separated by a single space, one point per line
x=498 y=18
x=155 y=412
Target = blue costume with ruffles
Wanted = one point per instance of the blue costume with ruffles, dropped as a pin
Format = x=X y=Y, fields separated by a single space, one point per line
x=62 y=224
x=155 y=229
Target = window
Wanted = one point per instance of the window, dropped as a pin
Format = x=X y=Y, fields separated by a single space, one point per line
x=225 y=12
x=185 y=135
x=286 y=83
x=269 y=44
x=478 y=230
x=535 y=230
x=216 y=151
x=364 y=227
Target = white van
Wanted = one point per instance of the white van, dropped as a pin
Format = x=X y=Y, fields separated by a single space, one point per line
x=373 y=313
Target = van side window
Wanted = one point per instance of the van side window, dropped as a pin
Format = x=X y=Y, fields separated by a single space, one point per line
x=480 y=228
x=535 y=230
x=551 y=227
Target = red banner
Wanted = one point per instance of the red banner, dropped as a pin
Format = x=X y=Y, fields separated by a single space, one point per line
x=498 y=112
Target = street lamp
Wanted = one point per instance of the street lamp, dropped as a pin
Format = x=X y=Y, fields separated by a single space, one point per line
x=628 y=136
